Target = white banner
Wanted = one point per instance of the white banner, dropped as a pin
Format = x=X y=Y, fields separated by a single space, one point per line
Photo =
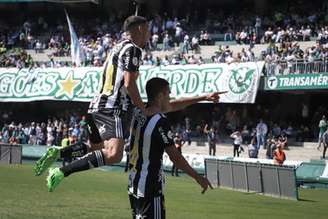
x=241 y=80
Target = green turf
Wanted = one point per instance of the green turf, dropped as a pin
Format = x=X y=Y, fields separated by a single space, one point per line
x=99 y=194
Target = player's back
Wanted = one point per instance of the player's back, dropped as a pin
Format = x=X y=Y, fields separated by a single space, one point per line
x=125 y=57
x=149 y=137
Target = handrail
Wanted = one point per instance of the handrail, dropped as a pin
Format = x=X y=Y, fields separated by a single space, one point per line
x=300 y=66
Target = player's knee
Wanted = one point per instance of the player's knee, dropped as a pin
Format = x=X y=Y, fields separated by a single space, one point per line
x=113 y=154
x=116 y=155
x=112 y=157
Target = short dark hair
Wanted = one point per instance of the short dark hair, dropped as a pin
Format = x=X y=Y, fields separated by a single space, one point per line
x=133 y=21
x=154 y=86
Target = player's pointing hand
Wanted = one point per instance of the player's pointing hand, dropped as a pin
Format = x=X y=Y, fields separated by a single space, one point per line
x=215 y=97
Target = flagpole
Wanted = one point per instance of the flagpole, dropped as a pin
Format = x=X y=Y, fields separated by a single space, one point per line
x=77 y=54
x=137 y=9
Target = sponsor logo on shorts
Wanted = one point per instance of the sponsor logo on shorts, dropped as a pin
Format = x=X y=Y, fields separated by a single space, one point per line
x=102 y=129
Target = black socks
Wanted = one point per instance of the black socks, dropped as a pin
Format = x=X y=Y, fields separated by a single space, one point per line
x=91 y=160
x=75 y=150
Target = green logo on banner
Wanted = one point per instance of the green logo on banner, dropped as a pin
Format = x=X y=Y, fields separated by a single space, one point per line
x=240 y=80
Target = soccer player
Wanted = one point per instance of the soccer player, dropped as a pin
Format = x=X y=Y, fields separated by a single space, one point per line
x=150 y=137
x=110 y=112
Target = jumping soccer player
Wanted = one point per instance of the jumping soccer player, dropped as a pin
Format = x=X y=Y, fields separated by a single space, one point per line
x=110 y=112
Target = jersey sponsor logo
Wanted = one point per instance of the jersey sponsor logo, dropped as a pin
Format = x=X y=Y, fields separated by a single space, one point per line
x=102 y=129
x=163 y=135
x=139 y=117
x=135 y=61
x=170 y=134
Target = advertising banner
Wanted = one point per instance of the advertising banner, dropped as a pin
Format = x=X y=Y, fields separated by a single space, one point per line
x=241 y=80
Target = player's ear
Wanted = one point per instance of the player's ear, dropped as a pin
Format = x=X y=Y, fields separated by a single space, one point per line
x=159 y=95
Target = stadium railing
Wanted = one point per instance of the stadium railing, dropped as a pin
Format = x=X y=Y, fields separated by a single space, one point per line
x=296 y=67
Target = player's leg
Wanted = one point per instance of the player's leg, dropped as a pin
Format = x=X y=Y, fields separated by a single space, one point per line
x=78 y=149
x=114 y=137
x=157 y=208
x=112 y=131
x=152 y=207
x=133 y=204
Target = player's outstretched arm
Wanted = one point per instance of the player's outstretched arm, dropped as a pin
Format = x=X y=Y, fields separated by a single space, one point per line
x=182 y=103
x=182 y=164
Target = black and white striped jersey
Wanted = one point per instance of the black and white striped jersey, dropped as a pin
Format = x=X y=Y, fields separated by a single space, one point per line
x=125 y=56
x=149 y=137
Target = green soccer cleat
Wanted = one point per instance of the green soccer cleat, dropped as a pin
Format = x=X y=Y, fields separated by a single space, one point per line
x=54 y=178
x=46 y=160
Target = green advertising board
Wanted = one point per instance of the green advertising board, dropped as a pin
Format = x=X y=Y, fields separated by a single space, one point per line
x=297 y=82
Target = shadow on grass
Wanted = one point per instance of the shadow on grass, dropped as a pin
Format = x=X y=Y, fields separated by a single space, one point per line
x=252 y=193
x=257 y=193
x=306 y=200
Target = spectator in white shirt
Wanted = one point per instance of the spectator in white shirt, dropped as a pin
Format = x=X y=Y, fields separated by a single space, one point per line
x=236 y=143
x=268 y=35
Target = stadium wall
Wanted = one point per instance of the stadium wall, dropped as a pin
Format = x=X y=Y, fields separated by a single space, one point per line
x=266 y=179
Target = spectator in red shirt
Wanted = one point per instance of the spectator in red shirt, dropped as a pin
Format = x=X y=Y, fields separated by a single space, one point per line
x=279 y=155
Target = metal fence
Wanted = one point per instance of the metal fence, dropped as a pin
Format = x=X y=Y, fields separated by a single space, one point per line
x=296 y=67
x=10 y=154
x=272 y=180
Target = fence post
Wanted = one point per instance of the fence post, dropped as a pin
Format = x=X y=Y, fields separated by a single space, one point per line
x=278 y=181
x=231 y=170
x=218 y=172
x=205 y=167
x=261 y=179
x=10 y=152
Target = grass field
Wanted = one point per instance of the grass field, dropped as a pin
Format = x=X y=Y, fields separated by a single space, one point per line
x=98 y=194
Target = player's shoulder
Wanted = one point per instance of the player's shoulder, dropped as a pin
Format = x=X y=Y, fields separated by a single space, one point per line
x=158 y=118
x=128 y=45
x=162 y=119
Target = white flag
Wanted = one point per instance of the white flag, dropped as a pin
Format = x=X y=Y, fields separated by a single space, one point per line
x=76 y=51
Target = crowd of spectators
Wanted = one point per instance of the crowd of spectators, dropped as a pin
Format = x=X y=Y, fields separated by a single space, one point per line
x=97 y=37
x=17 y=58
x=224 y=120
x=245 y=120
x=47 y=133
